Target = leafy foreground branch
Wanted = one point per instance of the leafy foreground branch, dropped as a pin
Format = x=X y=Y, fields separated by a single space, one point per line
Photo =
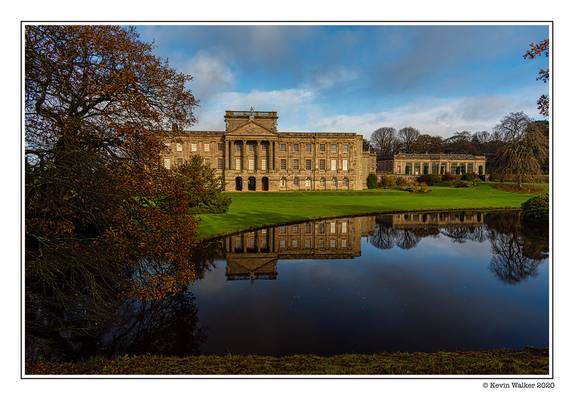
x=496 y=362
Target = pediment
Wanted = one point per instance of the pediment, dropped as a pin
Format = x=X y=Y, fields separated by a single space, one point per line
x=250 y=129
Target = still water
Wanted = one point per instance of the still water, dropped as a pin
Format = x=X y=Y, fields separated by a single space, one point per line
x=403 y=282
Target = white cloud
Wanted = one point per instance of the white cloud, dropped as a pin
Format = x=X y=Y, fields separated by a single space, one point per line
x=210 y=74
x=435 y=116
x=291 y=104
x=330 y=78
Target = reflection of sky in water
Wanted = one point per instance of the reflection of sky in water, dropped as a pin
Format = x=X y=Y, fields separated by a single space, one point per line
x=439 y=295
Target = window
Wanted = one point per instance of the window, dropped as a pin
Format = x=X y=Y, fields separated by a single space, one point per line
x=295 y=164
x=282 y=147
x=194 y=147
x=220 y=163
x=333 y=165
x=321 y=243
x=322 y=147
x=308 y=165
x=207 y=161
x=295 y=229
x=345 y=148
x=264 y=164
x=322 y=165
x=238 y=163
x=334 y=148
x=251 y=147
x=308 y=182
x=283 y=163
x=206 y=147
x=344 y=243
x=333 y=243
x=307 y=243
x=179 y=147
x=251 y=164
x=282 y=229
x=309 y=147
x=417 y=168
x=322 y=227
x=296 y=147
x=345 y=165
x=435 y=168
x=333 y=227
x=343 y=227
x=220 y=146
x=294 y=244
x=308 y=227
x=469 y=168
x=238 y=147
x=282 y=243
x=167 y=163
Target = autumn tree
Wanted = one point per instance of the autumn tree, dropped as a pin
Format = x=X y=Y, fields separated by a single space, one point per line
x=407 y=137
x=535 y=50
x=385 y=141
x=98 y=104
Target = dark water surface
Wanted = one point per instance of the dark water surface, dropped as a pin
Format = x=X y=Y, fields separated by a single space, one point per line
x=403 y=282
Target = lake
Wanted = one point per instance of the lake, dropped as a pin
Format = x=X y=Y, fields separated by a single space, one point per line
x=409 y=282
x=403 y=282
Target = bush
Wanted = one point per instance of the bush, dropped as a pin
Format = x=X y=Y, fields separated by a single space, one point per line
x=448 y=178
x=536 y=209
x=429 y=179
x=401 y=181
x=204 y=188
x=388 y=181
x=462 y=184
x=467 y=177
x=416 y=188
x=372 y=181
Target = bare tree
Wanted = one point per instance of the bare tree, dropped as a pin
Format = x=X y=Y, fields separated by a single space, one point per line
x=385 y=141
x=407 y=137
x=512 y=126
x=524 y=155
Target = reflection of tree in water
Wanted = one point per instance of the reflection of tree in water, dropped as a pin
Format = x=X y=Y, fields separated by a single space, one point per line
x=517 y=249
x=146 y=308
x=168 y=326
x=509 y=261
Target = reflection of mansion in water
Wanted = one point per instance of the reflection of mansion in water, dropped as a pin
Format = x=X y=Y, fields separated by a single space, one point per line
x=254 y=255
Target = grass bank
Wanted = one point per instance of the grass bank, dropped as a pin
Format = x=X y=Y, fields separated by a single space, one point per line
x=257 y=209
x=496 y=362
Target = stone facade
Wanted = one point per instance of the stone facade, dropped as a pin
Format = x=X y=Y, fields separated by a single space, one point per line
x=438 y=164
x=251 y=155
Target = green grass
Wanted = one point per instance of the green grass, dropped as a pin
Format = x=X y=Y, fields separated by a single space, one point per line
x=258 y=209
x=496 y=362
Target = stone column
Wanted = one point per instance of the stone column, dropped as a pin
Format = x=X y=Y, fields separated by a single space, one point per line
x=232 y=154
x=226 y=156
x=244 y=155
x=274 y=143
x=257 y=157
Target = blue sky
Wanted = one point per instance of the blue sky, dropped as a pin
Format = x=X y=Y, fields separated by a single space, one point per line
x=439 y=79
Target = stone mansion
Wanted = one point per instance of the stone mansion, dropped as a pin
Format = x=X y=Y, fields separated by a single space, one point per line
x=251 y=155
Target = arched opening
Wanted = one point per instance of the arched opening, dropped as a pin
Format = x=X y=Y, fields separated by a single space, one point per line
x=334 y=183
x=307 y=183
x=265 y=184
x=296 y=183
x=346 y=183
x=238 y=184
x=251 y=183
x=480 y=170
x=283 y=183
x=323 y=183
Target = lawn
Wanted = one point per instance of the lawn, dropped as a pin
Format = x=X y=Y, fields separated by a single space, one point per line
x=257 y=209
x=495 y=362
